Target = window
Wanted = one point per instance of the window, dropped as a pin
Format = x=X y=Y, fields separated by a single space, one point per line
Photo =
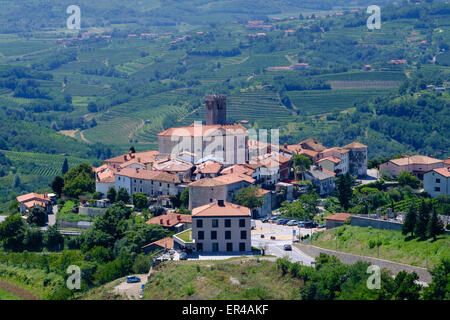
x=152 y=181
x=242 y=223
x=118 y=178
x=213 y=235
x=215 y=247
x=199 y=223
x=134 y=188
x=200 y=246
x=134 y=180
x=227 y=223
x=438 y=180
x=241 y=246
x=215 y=223
x=243 y=235
x=227 y=235
x=201 y=235
x=437 y=189
x=160 y=184
x=140 y=189
x=168 y=186
x=210 y=200
x=229 y=246
x=140 y=181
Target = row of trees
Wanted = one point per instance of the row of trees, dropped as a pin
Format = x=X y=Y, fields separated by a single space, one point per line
x=425 y=223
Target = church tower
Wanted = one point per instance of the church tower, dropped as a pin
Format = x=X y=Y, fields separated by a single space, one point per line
x=216 y=109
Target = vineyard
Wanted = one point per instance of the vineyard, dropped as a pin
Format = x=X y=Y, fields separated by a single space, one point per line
x=40 y=164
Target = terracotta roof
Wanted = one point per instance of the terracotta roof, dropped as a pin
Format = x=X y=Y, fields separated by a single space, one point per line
x=203 y=130
x=443 y=171
x=238 y=168
x=31 y=203
x=447 y=162
x=172 y=165
x=299 y=150
x=170 y=219
x=222 y=180
x=417 y=159
x=209 y=167
x=166 y=243
x=331 y=158
x=355 y=145
x=228 y=209
x=32 y=196
x=149 y=175
x=144 y=157
x=106 y=176
x=338 y=217
x=337 y=149
x=262 y=191
x=313 y=144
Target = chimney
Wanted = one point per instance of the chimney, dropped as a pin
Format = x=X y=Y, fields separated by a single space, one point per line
x=125 y=157
x=221 y=203
x=178 y=217
x=160 y=221
x=139 y=159
x=137 y=170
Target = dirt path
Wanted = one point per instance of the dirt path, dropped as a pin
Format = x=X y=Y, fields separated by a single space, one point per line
x=83 y=138
x=130 y=135
x=17 y=291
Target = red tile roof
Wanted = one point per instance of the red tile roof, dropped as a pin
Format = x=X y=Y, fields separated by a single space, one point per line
x=149 y=175
x=443 y=171
x=228 y=209
x=170 y=219
x=338 y=217
x=203 y=130
x=32 y=196
x=166 y=243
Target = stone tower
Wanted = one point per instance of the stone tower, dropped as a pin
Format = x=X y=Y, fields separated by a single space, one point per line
x=216 y=109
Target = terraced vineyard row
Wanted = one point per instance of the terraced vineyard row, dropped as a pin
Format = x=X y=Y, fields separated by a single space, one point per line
x=40 y=164
x=321 y=101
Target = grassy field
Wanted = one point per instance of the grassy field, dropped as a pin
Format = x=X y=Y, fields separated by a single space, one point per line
x=393 y=245
x=6 y=295
x=234 y=280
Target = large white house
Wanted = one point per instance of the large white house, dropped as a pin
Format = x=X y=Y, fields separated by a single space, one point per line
x=221 y=227
x=437 y=181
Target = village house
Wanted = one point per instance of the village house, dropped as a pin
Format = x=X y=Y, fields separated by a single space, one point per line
x=437 y=182
x=172 y=221
x=208 y=190
x=300 y=66
x=208 y=169
x=161 y=244
x=28 y=201
x=175 y=166
x=417 y=165
x=321 y=179
x=152 y=183
x=337 y=220
x=221 y=227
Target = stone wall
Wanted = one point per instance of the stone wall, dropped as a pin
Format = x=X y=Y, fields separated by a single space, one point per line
x=375 y=223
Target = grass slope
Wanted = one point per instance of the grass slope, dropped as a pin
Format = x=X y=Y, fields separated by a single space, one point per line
x=229 y=280
x=394 y=246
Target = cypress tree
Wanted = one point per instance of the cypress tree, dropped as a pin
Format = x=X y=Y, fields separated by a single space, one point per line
x=422 y=220
x=435 y=226
x=65 y=167
x=410 y=220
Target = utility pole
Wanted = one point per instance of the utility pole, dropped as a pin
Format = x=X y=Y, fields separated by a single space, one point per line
x=378 y=243
x=427 y=254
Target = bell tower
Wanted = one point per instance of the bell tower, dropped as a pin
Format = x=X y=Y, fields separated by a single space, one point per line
x=216 y=109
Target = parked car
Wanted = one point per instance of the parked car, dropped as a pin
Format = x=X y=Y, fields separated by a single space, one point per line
x=284 y=221
x=292 y=223
x=265 y=220
x=183 y=255
x=322 y=226
x=133 y=279
x=287 y=247
x=301 y=224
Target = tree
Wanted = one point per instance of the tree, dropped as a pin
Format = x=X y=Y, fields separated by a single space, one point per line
x=301 y=163
x=140 y=200
x=406 y=287
x=79 y=180
x=405 y=178
x=65 y=167
x=92 y=107
x=439 y=288
x=344 y=190
x=184 y=197
x=123 y=195
x=410 y=220
x=13 y=207
x=12 y=232
x=58 y=185
x=33 y=240
x=422 y=220
x=111 y=194
x=53 y=240
x=17 y=181
x=249 y=197
x=435 y=226
x=37 y=216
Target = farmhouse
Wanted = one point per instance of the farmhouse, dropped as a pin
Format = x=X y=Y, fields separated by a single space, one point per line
x=321 y=179
x=416 y=165
x=172 y=221
x=437 y=182
x=30 y=200
x=337 y=220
